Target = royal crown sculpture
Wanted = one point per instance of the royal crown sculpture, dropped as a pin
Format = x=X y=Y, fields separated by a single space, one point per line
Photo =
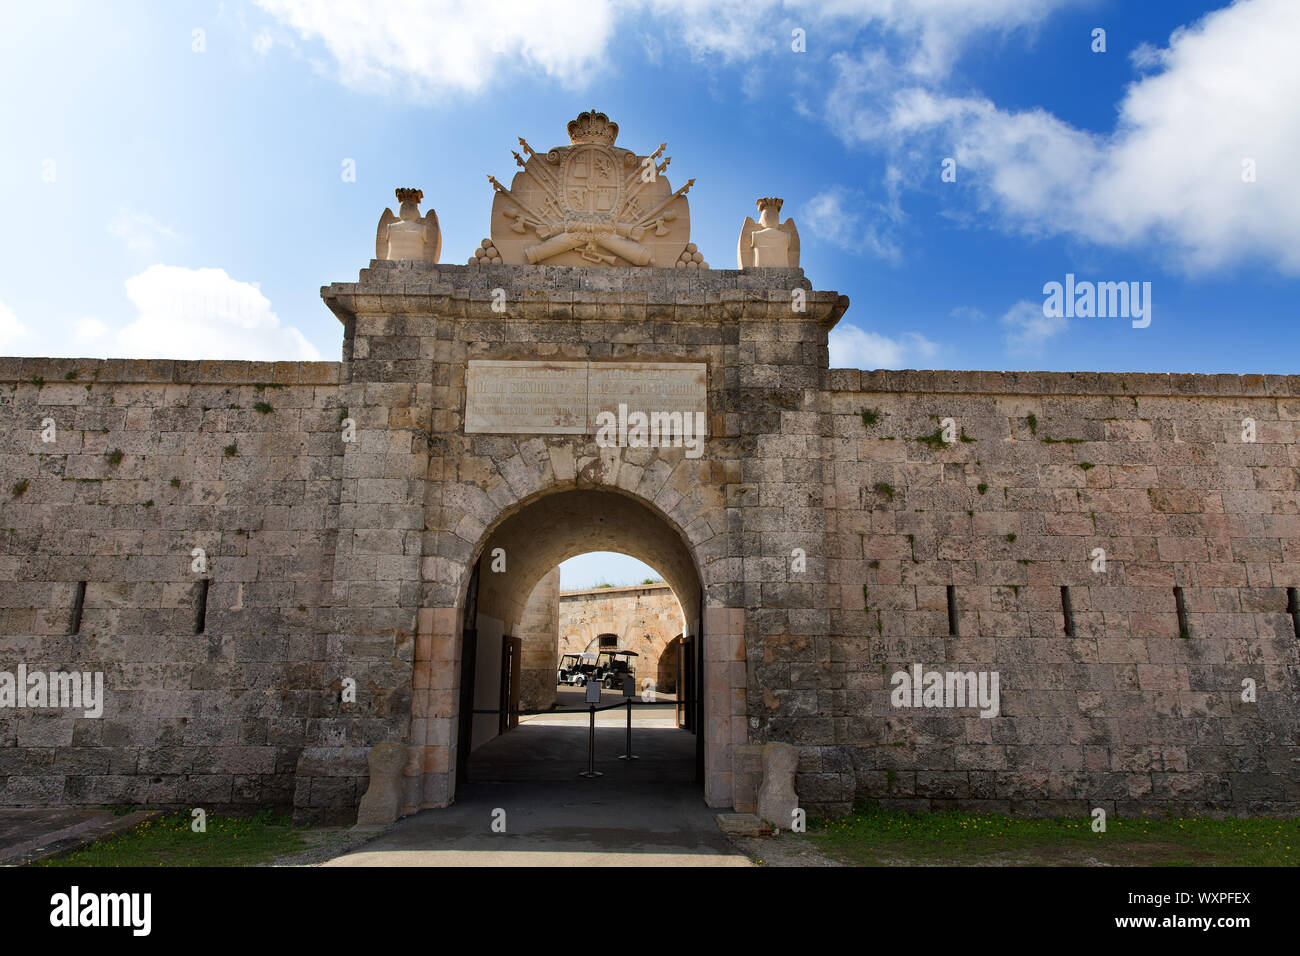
x=590 y=203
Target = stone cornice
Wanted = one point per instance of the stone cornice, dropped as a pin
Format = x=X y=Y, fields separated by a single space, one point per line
x=614 y=591
x=80 y=372
x=1051 y=384
x=567 y=293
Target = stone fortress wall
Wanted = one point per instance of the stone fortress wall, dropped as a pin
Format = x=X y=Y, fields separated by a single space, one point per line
x=151 y=460
x=1124 y=703
x=278 y=566
x=1129 y=709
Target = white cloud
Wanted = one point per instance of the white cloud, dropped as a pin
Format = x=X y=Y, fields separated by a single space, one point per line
x=88 y=333
x=458 y=45
x=1028 y=330
x=262 y=42
x=847 y=218
x=455 y=45
x=968 y=312
x=11 y=331
x=852 y=347
x=930 y=33
x=193 y=314
x=139 y=231
x=1170 y=174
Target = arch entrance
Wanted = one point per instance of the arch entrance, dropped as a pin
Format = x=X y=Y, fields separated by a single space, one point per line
x=512 y=559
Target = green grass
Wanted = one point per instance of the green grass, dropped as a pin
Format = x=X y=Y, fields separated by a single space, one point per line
x=874 y=836
x=169 y=841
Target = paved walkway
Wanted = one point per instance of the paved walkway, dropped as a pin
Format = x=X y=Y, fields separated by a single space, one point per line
x=650 y=813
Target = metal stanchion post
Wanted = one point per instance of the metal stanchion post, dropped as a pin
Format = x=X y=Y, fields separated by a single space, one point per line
x=629 y=689
x=593 y=698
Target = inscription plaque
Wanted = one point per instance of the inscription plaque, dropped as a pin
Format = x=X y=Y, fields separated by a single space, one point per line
x=531 y=397
x=564 y=398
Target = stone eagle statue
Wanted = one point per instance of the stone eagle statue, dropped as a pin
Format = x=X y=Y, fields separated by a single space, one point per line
x=768 y=244
x=407 y=235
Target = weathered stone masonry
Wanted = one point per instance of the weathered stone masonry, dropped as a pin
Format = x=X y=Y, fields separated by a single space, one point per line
x=331 y=559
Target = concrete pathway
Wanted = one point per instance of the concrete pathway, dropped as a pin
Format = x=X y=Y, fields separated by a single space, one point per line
x=599 y=822
x=28 y=834
x=649 y=813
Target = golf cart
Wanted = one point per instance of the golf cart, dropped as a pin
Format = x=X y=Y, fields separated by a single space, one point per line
x=570 y=671
x=614 y=667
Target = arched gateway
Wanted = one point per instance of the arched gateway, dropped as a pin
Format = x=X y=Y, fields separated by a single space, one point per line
x=527 y=540
x=614 y=402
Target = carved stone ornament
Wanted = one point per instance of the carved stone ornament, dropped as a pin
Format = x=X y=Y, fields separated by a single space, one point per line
x=590 y=203
x=407 y=235
x=768 y=244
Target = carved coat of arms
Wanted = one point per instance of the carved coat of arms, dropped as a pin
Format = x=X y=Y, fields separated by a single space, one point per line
x=590 y=203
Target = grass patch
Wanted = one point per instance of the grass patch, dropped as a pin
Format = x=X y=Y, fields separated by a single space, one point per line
x=114 y=457
x=169 y=841
x=934 y=440
x=886 y=489
x=1033 y=423
x=263 y=408
x=873 y=836
x=20 y=487
x=870 y=416
x=231 y=450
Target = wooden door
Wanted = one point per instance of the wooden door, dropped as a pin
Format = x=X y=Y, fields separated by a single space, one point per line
x=512 y=650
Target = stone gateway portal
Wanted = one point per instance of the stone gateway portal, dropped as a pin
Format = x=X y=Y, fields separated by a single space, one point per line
x=276 y=567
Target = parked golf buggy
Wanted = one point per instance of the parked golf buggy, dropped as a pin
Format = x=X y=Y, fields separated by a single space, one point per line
x=610 y=668
x=573 y=670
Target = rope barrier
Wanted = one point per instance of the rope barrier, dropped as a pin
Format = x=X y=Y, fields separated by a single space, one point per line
x=584 y=710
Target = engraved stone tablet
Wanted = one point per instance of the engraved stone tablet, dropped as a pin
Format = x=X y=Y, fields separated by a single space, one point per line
x=646 y=387
x=564 y=398
x=548 y=398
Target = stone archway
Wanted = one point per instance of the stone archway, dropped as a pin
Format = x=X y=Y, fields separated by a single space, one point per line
x=525 y=542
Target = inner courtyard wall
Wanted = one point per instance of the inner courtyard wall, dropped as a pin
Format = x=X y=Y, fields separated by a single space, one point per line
x=645 y=618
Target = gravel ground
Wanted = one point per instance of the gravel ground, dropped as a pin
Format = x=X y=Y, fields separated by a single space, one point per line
x=325 y=843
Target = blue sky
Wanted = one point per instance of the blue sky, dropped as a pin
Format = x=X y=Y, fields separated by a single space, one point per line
x=604 y=567
x=172 y=174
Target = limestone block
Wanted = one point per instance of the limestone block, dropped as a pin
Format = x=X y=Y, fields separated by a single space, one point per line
x=777 y=800
x=383 y=798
